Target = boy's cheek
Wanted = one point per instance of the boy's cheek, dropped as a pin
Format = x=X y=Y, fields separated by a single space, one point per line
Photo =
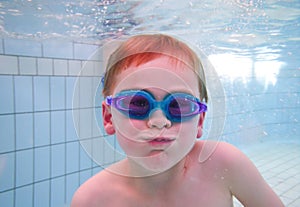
x=131 y=147
x=126 y=126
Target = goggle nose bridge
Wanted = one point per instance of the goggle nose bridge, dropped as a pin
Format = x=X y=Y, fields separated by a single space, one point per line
x=158 y=105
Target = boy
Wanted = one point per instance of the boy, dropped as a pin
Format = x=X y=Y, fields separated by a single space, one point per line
x=155 y=105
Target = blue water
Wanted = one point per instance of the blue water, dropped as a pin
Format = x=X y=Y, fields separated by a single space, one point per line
x=254 y=47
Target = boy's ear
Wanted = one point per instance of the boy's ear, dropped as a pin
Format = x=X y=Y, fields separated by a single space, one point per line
x=200 y=125
x=107 y=119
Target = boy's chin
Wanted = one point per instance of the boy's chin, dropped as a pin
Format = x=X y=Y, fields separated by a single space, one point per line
x=157 y=163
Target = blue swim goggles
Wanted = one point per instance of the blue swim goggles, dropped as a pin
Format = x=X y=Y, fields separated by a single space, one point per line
x=139 y=104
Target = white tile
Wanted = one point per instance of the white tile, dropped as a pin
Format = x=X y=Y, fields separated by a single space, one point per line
x=58 y=192
x=24 y=167
x=99 y=131
x=85 y=175
x=60 y=67
x=57 y=95
x=7 y=199
x=1 y=46
x=57 y=160
x=24 y=131
x=98 y=128
x=8 y=65
x=297 y=176
x=74 y=67
x=42 y=194
x=85 y=160
x=24 y=196
x=70 y=128
x=41 y=129
x=7 y=178
x=96 y=169
x=87 y=68
x=293 y=194
x=274 y=181
x=270 y=174
x=45 y=66
x=286 y=201
x=58 y=127
x=73 y=89
x=285 y=175
x=294 y=170
x=291 y=183
x=24 y=93
x=72 y=183
x=28 y=66
x=85 y=123
x=99 y=68
x=7 y=133
x=70 y=85
x=41 y=93
x=86 y=92
x=72 y=159
x=42 y=163
x=295 y=203
x=109 y=150
x=6 y=94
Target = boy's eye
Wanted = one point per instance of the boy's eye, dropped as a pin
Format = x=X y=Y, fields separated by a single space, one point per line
x=135 y=103
x=174 y=104
x=181 y=106
x=175 y=107
x=180 y=103
x=139 y=101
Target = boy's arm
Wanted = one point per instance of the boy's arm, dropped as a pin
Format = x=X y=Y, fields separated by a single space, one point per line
x=78 y=199
x=98 y=191
x=82 y=198
x=246 y=183
x=91 y=194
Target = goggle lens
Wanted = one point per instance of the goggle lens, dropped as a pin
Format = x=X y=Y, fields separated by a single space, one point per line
x=135 y=105
x=182 y=107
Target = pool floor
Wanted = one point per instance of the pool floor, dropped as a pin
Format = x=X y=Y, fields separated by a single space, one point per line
x=279 y=163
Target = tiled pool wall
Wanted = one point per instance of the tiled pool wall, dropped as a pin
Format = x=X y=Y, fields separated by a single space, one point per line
x=41 y=160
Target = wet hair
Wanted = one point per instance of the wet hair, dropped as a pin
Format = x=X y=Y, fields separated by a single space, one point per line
x=141 y=49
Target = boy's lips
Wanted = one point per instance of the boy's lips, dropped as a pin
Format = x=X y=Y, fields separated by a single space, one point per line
x=161 y=141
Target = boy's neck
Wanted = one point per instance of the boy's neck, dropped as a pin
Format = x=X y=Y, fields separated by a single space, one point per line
x=154 y=184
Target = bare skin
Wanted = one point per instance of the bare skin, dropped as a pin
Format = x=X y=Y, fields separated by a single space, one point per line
x=212 y=183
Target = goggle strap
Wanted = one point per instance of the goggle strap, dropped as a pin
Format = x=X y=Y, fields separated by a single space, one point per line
x=203 y=107
x=108 y=100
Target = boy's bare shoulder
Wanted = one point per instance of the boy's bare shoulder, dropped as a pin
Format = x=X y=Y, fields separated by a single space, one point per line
x=218 y=149
x=97 y=191
x=218 y=153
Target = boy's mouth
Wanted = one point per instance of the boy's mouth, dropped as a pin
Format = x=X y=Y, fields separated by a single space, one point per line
x=161 y=141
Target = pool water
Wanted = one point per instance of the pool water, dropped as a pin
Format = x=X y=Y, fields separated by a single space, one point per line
x=254 y=47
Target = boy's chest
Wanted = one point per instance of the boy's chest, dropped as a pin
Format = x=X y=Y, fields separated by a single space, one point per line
x=182 y=200
x=188 y=195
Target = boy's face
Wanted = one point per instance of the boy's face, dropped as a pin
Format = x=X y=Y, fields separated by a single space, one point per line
x=155 y=143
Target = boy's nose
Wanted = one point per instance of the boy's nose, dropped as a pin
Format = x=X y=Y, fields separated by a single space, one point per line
x=158 y=119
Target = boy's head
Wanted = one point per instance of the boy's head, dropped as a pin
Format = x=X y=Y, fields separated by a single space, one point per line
x=146 y=73
x=141 y=49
